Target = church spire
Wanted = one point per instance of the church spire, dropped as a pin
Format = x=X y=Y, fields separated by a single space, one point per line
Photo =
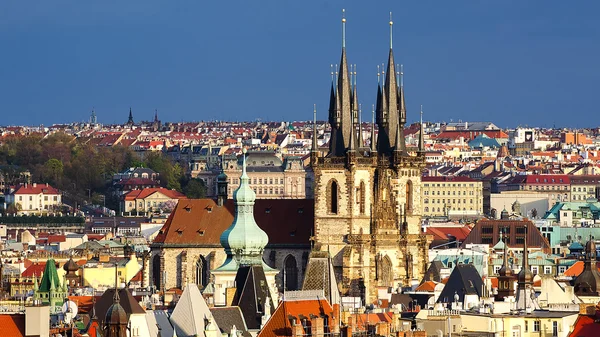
x=130 y=119
x=342 y=110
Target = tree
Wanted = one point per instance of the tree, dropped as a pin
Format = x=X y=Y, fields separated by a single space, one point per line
x=53 y=169
x=195 y=189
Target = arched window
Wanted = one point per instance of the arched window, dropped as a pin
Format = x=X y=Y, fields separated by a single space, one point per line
x=156 y=281
x=333 y=194
x=385 y=271
x=291 y=273
x=202 y=272
x=362 y=197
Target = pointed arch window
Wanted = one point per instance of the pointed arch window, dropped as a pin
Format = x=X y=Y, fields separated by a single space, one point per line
x=291 y=273
x=333 y=194
x=202 y=272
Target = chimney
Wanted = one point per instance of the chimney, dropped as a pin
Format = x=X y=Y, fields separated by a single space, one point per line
x=316 y=326
x=296 y=329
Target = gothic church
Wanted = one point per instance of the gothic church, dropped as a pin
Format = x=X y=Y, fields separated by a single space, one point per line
x=367 y=198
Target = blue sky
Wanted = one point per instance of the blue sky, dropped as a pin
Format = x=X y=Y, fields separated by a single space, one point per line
x=511 y=62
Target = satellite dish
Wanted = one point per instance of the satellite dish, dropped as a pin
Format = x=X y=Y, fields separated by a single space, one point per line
x=70 y=307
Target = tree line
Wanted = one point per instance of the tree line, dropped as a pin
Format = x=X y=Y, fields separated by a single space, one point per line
x=83 y=169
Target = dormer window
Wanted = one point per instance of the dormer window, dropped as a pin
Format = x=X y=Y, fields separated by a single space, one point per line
x=268 y=210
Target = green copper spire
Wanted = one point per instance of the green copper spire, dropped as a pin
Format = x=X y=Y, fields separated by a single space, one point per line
x=244 y=241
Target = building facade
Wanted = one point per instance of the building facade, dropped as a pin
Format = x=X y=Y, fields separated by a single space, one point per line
x=445 y=194
x=368 y=199
x=270 y=176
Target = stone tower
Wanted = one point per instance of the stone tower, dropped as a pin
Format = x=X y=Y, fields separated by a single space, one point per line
x=367 y=199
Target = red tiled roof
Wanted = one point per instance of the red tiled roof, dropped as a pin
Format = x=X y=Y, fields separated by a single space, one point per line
x=577 y=268
x=548 y=179
x=442 y=233
x=146 y=192
x=201 y=221
x=36 y=269
x=428 y=286
x=279 y=323
x=12 y=325
x=585 y=325
x=37 y=189
x=448 y=178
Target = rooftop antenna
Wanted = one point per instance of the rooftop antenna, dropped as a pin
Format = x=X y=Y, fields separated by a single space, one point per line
x=391 y=30
x=401 y=75
x=343 y=28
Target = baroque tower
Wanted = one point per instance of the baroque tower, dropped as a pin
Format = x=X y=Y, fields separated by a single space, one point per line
x=367 y=199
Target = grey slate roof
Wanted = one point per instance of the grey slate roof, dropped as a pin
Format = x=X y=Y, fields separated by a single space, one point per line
x=464 y=280
x=227 y=317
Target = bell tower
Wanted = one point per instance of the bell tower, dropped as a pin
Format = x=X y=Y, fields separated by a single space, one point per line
x=367 y=198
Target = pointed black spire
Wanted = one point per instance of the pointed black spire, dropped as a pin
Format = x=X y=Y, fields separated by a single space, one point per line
x=341 y=115
x=130 y=120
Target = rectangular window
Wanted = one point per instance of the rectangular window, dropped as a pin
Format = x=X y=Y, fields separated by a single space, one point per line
x=536 y=326
x=555 y=329
x=547 y=269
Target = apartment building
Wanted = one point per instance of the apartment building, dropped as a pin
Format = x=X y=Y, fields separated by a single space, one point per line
x=444 y=195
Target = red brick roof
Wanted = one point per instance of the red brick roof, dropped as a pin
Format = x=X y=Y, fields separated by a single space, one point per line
x=279 y=323
x=36 y=269
x=548 y=179
x=201 y=222
x=585 y=325
x=37 y=189
x=146 y=192
x=428 y=286
x=441 y=233
x=12 y=325
x=448 y=179
x=577 y=268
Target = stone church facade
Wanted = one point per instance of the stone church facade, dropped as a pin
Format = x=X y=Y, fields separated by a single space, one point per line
x=367 y=198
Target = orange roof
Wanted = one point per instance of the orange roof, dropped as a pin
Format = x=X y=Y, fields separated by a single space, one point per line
x=441 y=233
x=428 y=286
x=577 y=268
x=84 y=303
x=372 y=319
x=36 y=269
x=279 y=323
x=146 y=192
x=12 y=325
x=494 y=281
x=37 y=189
x=586 y=326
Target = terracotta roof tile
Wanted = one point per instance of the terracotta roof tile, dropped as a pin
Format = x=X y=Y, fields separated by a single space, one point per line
x=37 y=189
x=201 y=221
x=12 y=325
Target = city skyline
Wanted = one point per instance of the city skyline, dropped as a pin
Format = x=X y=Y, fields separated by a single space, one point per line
x=206 y=62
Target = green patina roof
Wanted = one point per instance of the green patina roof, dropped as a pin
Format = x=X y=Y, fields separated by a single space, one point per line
x=50 y=278
x=499 y=245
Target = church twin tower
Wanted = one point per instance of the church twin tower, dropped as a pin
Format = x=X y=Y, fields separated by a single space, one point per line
x=367 y=198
